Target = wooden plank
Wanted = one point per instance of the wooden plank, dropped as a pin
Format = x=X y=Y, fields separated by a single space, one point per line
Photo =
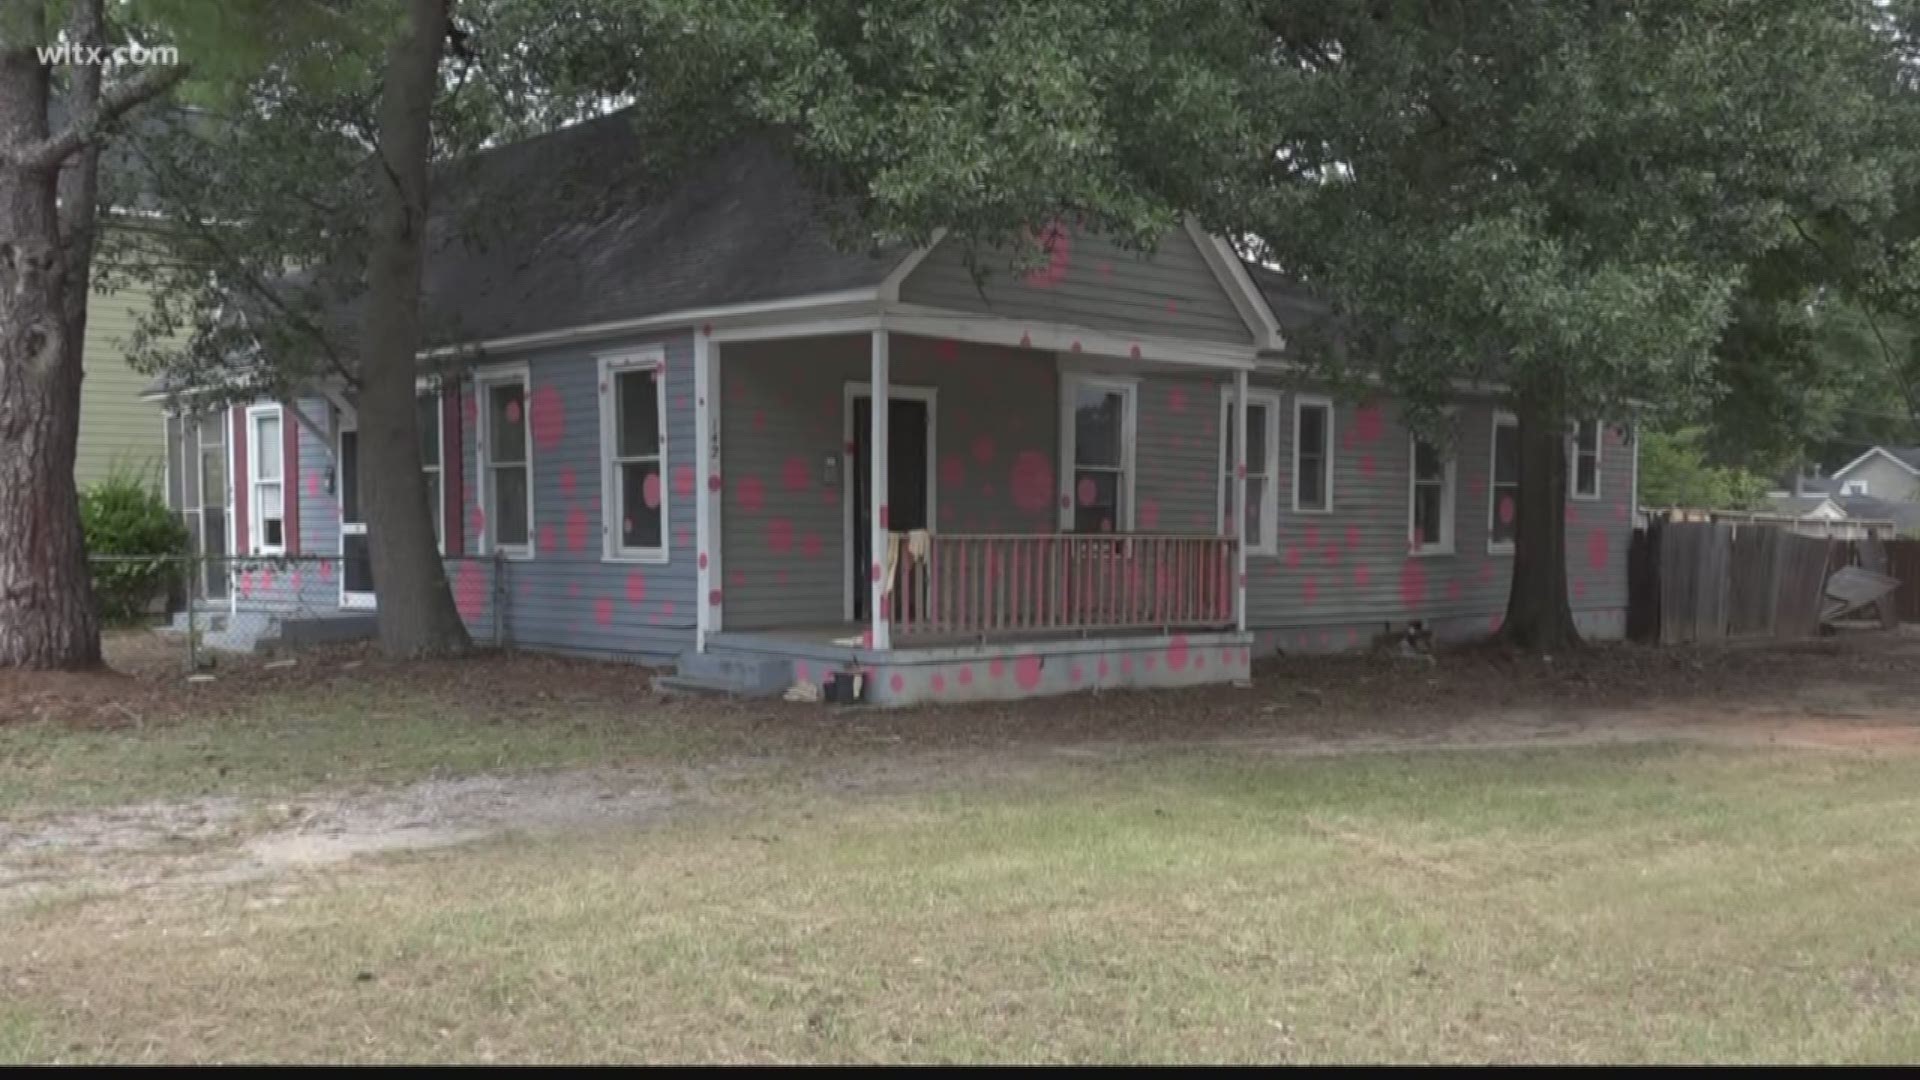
x=1873 y=557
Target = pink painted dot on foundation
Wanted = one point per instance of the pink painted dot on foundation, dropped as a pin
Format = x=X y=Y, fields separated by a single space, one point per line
x=1026 y=672
x=898 y=682
x=801 y=671
x=938 y=683
x=1178 y=653
x=1103 y=668
x=1075 y=673
x=1126 y=665
x=997 y=667
x=965 y=676
x=1149 y=661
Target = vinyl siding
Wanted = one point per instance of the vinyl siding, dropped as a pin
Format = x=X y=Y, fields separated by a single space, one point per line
x=1091 y=282
x=117 y=428
x=783 y=414
x=566 y=596
x=1885 y=480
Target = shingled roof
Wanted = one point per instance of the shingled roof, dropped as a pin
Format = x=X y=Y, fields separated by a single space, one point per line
x=568 y=229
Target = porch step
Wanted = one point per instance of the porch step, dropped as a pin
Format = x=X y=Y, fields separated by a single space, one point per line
x=720 y=671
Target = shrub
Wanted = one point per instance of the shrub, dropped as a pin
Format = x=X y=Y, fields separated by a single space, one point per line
x=124 y=516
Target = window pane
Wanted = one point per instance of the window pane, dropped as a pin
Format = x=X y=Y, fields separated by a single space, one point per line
x=506 y=422
x=213 y=476
x=1096 y=501
x=638 y=422
x=1312 y=436
x=1587 y=476
x=269 y=496
x=427 y=413
x=1506 y=512
x=508 y=510
x=1097 y=419
x=1426 y=460
x=358 y=556
x=1256 y=492
x=213 y=535
x=1313 y=484
x=1426 y=518
x=274 y=536
x=267 y=445
x=213 y=430
x=1256 y=439
x=640 y=515
x=348 y=478
x=1506 y=454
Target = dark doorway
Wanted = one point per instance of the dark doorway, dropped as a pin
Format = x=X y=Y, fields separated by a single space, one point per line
x=907 y=494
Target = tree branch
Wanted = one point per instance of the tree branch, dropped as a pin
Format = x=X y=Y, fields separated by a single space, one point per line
x=113 y=102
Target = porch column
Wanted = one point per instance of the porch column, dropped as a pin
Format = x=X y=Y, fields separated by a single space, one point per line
x=1240 y=499
x=877 y=613
x=706 y=489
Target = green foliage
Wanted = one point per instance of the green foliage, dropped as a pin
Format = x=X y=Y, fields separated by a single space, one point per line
x=124 y=516
x=1674 y=471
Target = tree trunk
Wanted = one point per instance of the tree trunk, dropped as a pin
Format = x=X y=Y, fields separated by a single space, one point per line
x=1539 y=617
x=416 y=610
x=47 y=618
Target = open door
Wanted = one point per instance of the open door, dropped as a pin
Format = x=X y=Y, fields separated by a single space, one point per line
x=909 y=477
x=356 y=559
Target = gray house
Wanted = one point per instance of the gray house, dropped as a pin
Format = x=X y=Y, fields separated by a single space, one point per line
x=1100 y=473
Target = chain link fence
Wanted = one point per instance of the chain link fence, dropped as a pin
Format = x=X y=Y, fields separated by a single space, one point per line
x=201 y=606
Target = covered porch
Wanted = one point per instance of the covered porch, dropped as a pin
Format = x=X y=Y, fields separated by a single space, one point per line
x=1052 y=512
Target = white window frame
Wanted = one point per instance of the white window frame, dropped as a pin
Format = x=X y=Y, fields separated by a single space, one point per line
x=1501 y=418
x=256 y=518
x=1448 y=503
x=483 y=382
x=1268 y=542
x=439 y=470
x=1305 y=401
x=1573 y=461
x=612 y=365
x=1129 y=389
x=1855 y=487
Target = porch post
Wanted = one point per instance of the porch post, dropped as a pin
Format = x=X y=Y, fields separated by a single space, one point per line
x=877 y=492
x=1240 y=499
x=706 y=488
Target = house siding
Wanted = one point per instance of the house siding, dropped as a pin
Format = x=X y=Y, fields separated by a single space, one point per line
x=118 y=429
x=783 y=415
x=1885 y=480
x=566 y=596
x=1090 y=282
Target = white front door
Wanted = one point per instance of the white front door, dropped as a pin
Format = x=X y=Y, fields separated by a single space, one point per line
x=356 y=560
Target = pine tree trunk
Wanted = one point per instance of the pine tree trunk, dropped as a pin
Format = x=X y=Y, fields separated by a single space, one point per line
x=47 y=619
x=1539 y=618
x=416 y=610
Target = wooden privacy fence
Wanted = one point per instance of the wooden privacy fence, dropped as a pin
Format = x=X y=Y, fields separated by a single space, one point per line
x=1902 y=560
x=1715 y=581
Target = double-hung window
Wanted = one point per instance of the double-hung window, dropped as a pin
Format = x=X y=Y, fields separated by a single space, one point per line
x=1098 y=455
x=266 y=478
x=506 y=463
x=1262 y=521
x=633 y=444
x=1430 y=506
x=1312 y=454
x=1503 y=484
x=1583 y=464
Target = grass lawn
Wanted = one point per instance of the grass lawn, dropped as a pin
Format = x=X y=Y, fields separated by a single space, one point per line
x=1655 y=902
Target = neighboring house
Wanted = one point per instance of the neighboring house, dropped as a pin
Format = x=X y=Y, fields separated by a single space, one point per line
x=119 y=428
x=1806 y=507
x=665 y=429
x=1891 y=473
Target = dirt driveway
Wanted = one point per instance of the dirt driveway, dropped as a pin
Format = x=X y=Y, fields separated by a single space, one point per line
x=1852 y=695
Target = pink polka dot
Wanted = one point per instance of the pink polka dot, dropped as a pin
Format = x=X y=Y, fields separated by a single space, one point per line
x=326 y=570
x=947 y=349
x=666 y=608
x=703 y=560
x=1057 y=243
x=636 y=587
x=938 y=683
x=568 y=482
x=794 y=475
x=997 y=667
x=953 y=471
x=750 y=493
x=1366 y=464
x=1368 y=423
x=576 y=529
x=1293 y=558
x=650 y=491
x=780 y=535
x=1087 y=491
x=1126 y=665
x=1309 y=591
x=1353 y=537
x=1455 y=590
x=801 y=671
x=713 y=482
x=810 y=546
x=965 y=676
x=512 y=412
x=1361 y=576
x=1075 y=674
x=682 y=538
x=313 y=485
x=1149 y=514
x=1598 y=549
x=713 y=598
x=1178 y=653
x=1026 y=672
x=898 y=682
x=1496 y=621
x=603 y=611
x=549 y=419
x=1505 y=510
x=1177 y=400
x=477 y=521
x=875 y=571
x=469 y=590
x=983 y=449
x=1413 y=583
x=1103 y=669
x=683 y=481
x=1032 y=481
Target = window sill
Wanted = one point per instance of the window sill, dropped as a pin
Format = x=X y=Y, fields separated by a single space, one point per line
x=1430 y=552
x=1577 y=497
x=1499 y=549
x=510 y=554
x=1322 y=512
x=643 y=558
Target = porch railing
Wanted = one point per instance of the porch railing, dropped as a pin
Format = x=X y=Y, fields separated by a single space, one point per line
x=985 y=586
